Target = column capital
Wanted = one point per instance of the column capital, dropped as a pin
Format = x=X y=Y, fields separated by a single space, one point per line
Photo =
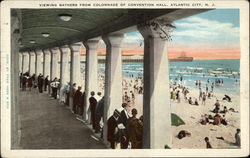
x=64 y=49
x=157 y=28
x=75 y=47
x=91 y=44
x=46 y=51
x=25 y=53
x=38 y=52
x=113 y=40
x=32 y=53
x=54 y=50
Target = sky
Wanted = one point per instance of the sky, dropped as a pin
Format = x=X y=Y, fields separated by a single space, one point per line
x=209 y=35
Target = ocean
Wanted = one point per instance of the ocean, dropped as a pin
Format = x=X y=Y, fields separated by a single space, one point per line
x=226 y=70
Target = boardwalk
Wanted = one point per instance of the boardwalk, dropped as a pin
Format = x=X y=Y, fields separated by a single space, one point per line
x=46 y=124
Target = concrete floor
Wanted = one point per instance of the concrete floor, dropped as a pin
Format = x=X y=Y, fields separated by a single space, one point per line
x=46 y=124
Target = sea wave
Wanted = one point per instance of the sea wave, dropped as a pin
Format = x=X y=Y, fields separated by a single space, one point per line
x=220 y=68
x=215 y=72
x=194 y=68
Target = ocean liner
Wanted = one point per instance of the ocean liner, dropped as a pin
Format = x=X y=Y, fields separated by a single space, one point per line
x=183 y=58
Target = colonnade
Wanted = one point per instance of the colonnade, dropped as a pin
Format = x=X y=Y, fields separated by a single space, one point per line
x=156 y=102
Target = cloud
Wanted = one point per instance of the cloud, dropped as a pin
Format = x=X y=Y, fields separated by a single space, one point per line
x=205 y=31
x=196 y=32
x=132 y=38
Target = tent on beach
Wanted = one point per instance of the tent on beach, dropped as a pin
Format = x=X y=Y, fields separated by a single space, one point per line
x=176 y=120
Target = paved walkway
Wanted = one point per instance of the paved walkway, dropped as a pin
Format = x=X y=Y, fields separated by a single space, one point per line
x=46 y=124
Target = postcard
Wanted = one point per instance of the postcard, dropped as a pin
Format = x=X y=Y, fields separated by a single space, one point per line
x=125 y=78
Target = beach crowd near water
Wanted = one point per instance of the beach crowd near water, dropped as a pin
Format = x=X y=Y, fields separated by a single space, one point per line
x=206 y=100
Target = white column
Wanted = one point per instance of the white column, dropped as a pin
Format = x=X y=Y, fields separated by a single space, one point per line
x=64 y=66
x=25 y=62
x=47 y=63
x=156 y=101
x=39 y=62
x=13 y=84
x=20 y=63
x=58 y=64
x=54 y=63
x=113 y=77
x=32 y=64
x=91 y=81
x=74 y=68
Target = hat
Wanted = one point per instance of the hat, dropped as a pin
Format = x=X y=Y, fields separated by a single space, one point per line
x=134 y=111
x=124 y=105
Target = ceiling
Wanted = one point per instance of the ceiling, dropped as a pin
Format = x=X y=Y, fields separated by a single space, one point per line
x=85 y=24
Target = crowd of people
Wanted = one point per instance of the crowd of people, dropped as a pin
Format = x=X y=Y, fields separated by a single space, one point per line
x=28 y=81
x=177 y=87
x=217 y=116
x=236 y=137
x=124 y=128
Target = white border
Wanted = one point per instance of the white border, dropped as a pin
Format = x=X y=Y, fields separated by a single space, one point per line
x=244 y=88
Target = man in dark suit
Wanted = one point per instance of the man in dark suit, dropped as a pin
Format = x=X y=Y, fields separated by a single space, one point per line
x=112 y=124
x=39 y=82
x=123 y=119
x=92 y=106
x=46 y=83
x=99 y=114
x=76 y=100
x=82 y=104
x=135 y=131
x=124 y=115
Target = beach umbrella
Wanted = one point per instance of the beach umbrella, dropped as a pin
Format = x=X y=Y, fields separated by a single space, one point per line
x=176 y=120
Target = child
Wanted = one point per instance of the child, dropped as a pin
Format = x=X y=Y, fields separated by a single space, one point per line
x=208 y=145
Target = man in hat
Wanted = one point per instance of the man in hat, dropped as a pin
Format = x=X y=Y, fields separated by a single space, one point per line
x=208 y=145
x=135 y=128
x=76 y=100
x=46 y=83
x=124 y=115
x=99 y=114
x=82 y=104
x=112 y=125
x=54 y=85
x=98 y=96
x=24 y=82
x=39 y=82
x=123 y=119
x=67 y=92
x=237 y=137
x=92 y=106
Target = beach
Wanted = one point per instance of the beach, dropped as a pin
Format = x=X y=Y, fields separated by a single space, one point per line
x=191 y=115
x=186 y=76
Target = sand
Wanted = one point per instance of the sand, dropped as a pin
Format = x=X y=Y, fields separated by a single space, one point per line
x=191 y=115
